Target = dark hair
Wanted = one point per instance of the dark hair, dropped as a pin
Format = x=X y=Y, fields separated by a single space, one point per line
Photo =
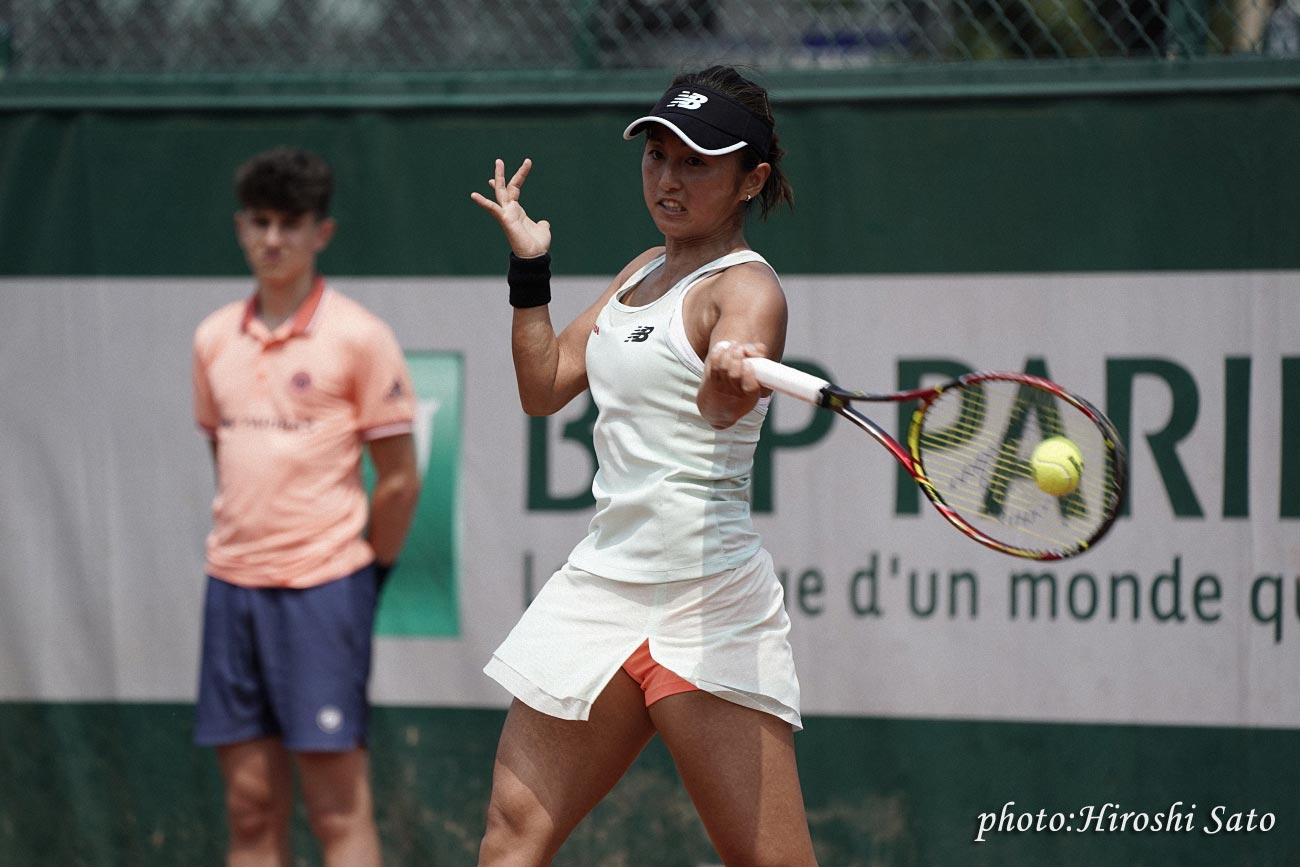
x=286 y=179
x=753 y=96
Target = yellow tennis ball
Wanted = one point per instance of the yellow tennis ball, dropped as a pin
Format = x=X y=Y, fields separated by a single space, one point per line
x=1057 y=464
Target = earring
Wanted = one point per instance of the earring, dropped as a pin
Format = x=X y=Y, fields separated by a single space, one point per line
x=748 y=197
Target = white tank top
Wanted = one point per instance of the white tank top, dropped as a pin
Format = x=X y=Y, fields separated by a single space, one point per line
x=672 y=494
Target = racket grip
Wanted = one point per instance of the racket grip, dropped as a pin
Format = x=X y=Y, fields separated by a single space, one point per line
x=787 y=380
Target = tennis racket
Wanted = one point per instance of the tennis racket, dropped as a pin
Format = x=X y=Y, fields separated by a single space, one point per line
x=971 y=447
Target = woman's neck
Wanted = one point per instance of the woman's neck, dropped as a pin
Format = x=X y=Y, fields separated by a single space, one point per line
x=683 y=256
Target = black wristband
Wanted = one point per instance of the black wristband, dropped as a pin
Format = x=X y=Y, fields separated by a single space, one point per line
x=530 y=281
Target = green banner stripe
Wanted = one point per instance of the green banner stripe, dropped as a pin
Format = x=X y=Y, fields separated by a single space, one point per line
x=1196 y=181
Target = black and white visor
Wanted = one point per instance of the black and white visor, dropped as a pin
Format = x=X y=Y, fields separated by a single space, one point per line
x=709 y=122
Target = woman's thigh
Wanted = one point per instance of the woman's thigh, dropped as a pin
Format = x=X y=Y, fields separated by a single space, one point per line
x=549 y=772
x=738 y=764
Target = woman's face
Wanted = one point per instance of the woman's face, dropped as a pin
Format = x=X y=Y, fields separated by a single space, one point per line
x=690 y=194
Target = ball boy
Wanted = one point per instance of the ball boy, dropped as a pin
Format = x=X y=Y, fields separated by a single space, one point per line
x=289 y=385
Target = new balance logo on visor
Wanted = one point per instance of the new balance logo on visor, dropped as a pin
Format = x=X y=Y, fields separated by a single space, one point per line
x=640 y=334
x=687 y=99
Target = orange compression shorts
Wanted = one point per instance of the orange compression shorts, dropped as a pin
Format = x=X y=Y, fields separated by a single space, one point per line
x=655 y=681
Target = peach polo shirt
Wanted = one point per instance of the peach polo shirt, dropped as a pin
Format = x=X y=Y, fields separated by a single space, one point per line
x=289 y=410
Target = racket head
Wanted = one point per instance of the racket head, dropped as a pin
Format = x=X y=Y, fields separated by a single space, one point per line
x=971 y=441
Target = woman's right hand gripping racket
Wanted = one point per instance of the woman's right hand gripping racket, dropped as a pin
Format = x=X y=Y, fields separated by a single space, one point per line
x=1014 y=461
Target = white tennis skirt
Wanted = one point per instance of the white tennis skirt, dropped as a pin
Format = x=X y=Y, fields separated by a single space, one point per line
x=727 y=634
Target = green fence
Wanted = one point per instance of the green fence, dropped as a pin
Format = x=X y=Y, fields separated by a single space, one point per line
x=51 y=38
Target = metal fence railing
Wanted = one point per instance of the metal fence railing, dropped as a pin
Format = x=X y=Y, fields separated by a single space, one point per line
x=47 y=39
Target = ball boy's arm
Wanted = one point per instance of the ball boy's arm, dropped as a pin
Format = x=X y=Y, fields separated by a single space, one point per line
x=392 y=503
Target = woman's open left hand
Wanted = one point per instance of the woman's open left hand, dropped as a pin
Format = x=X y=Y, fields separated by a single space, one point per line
x=528 y=238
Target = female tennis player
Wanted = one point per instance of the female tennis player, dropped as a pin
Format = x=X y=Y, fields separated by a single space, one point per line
x=668 y=617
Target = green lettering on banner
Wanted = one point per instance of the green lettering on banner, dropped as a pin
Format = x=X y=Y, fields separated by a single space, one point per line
x=420 y=598
x=1289 y=498
x=579 y=431
x=1031 y=581
x=819 y=424
x=1120 y=375
x=1236 y=437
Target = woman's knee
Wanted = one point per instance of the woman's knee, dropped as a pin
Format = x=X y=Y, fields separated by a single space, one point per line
x=518 y=825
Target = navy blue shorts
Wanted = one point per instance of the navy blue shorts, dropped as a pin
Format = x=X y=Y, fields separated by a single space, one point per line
x=287 y=663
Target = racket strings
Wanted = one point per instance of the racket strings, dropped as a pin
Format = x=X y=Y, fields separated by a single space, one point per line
x=989 y=464
x=1028 y=520
x=974 y=445
x=1020 y=506
x=970 y=470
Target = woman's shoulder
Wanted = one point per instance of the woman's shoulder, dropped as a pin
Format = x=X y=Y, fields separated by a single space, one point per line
x=750 y=285
x=748 y=274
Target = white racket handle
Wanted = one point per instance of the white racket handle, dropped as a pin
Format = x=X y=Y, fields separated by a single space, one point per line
x=779 y=377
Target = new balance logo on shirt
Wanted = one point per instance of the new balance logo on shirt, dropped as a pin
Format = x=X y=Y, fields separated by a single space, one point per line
x=640 y=334
x=688 y=100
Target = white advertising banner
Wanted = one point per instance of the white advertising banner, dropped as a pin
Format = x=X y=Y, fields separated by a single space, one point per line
x=1187 y=613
